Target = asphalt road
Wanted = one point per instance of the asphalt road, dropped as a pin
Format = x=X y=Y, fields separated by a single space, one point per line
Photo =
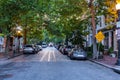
x=50 y=64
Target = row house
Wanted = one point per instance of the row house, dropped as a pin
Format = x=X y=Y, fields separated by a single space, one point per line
x=110 y=34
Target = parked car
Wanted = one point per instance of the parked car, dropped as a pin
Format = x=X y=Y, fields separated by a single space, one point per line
x=44 y=45
x=38 y=48
x=77 y=54
x=29 y=48
x=61 y=48
x=66 y=49
x=50 y=44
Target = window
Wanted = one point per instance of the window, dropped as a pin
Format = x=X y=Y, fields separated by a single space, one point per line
x=106 y=41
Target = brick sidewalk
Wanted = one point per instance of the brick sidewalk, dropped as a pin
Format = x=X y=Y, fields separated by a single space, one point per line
x=108 y=60
x=1 y=55
x=10 y=54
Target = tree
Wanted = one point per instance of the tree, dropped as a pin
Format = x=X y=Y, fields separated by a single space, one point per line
x=72 y=16
x=98 y=8
x=78 y=39
x=57 y=17
x=92 y=10
x=108 y=9
x=22 y=12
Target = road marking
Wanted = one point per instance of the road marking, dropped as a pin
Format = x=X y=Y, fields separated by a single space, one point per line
x=54 y=55
x=43 y=56
x=48 y=56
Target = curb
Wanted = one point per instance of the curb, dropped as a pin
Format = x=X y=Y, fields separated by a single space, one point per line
x=5 y=61
x=115 y=69
x=14 y=56
x=105 y=65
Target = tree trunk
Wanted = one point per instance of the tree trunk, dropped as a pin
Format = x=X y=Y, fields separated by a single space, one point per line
x=7 y=45
x=25 y=36
x=95 y=55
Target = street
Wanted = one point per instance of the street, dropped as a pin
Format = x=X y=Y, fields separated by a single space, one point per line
x=50 y=64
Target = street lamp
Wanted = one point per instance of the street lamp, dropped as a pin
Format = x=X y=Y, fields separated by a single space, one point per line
x=18 y=34
x=118 y=32
x=18 y=31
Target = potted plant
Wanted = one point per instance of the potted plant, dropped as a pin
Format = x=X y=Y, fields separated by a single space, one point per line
x=111 y=52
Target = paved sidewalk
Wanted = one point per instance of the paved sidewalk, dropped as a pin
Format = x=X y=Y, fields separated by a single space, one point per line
x=4 y=57
x=108 y=62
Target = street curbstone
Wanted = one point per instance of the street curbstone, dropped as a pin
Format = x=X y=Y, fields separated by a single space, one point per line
x=105 y=65
x=116 y=68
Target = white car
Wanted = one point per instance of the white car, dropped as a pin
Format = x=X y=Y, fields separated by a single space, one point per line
x=50 y=44
x=77 y=54
x=29 y=49
x=39 y=47
x=44 y=45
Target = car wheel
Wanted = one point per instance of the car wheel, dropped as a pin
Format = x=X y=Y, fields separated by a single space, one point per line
x=85 y=58
x=71 y=58
x=63 y=53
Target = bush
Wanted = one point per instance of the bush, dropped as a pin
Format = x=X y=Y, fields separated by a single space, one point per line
x=89 y=54
x=88 y=49
x=110 y=50
x=100 y=46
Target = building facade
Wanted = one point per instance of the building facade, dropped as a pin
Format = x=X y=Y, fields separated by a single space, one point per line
x=110 y=40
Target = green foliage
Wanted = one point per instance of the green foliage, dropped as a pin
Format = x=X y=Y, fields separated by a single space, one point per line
x=110 y=50
x=64 y=17
x=29 y=14
x=100 y=47
x=78 y=39
x=89 y=54
x=107 y=8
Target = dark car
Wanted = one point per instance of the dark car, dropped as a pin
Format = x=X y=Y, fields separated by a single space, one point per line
x=66 y=50
x=38 y=48
x=77 y=54
x=44 y=45
x=50 y=45
x=29 y=48
x=61 y=48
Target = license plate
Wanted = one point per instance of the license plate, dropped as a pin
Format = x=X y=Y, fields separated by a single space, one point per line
x=80 y=55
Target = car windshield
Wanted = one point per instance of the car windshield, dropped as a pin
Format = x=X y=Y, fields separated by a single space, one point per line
x=77 y=49
x=68 y=46
x=28 y=46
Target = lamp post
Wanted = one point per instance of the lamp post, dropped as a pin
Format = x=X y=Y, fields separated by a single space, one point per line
x=118 y=32
x=19 y=34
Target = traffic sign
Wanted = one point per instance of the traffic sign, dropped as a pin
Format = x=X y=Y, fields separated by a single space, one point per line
x=99 y=36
